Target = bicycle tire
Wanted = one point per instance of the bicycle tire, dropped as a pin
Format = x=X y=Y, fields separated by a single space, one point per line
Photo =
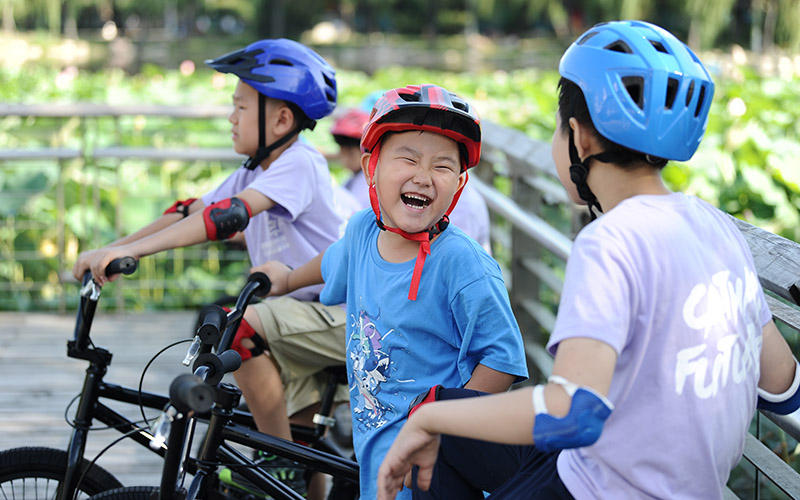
x=28 y=471
x=127 y=493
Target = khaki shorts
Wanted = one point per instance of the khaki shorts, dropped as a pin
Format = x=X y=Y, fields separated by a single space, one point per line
x=303 y=338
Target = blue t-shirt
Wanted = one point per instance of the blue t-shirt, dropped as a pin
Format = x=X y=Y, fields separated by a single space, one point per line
x=398 y=348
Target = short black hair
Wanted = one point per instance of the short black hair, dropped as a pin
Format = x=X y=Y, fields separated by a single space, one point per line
x=572 y=104
x=300 y=117
x=346 y=142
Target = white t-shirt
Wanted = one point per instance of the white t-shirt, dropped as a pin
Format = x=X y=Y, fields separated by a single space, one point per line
x=304 y=221
x=669 y=282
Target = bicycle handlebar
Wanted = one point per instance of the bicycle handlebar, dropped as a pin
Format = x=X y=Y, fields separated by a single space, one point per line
x=90 y=293
x=214 y=320
x=190 y=392
x=122 y=265
x=211 y=367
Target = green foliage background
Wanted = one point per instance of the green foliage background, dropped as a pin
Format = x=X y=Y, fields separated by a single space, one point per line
x=746 y=165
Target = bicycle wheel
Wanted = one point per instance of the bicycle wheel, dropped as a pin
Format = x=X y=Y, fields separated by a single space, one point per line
x=36 y=472
x=127 y=493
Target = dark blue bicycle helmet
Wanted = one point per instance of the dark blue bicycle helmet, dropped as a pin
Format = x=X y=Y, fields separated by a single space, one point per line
x=286 y=70
x=645 y=89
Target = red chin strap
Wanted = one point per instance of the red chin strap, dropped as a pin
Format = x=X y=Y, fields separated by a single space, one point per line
x=424 y=237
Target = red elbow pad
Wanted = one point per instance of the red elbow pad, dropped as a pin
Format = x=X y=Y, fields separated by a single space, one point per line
x=225 y=218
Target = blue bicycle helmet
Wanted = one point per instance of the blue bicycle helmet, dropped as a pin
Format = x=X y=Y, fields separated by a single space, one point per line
x=287 y=70
x=645 y=89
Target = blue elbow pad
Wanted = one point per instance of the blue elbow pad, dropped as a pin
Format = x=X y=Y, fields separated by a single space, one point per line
x=785 y=403
x=581 y=426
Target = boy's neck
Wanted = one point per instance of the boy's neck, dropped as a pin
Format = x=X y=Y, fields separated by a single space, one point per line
x=612 y=184
x=395 y=249
x=276 y=153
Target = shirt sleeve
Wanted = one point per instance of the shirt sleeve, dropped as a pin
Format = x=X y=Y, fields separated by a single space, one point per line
x=227 y=189
x=598 y=294
x=489 y=332
x=336 y=262
x=279 y=183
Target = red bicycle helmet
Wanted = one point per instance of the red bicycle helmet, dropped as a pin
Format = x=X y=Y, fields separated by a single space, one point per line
x=427 y=108
x=351 y=124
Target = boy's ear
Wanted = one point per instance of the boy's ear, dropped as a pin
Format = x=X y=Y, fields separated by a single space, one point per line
x=284 y=119
x=365 y=165
x=585 y=141
x=462 y=180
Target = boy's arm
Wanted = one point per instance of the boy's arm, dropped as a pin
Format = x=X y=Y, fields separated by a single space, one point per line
x=487 y=379
x=166 y=220
x=186 y=232
x=502 y=418
x=285 y=279
x=85 y=259
x=160 y=236
x=777 y=362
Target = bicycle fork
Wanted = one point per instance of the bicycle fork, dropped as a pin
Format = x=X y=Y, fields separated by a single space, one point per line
x=80 y=432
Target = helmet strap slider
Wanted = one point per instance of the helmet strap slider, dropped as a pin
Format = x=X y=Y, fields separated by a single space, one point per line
x=579 y=172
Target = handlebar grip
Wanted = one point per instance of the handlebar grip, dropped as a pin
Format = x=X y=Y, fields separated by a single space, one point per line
x=218 y=365
x=231 y=361
x=124 y=265
x=189 y=392
x=213 y=320
x=264 y=284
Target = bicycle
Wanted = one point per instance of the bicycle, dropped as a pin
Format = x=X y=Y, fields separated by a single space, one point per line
x=195 y=394
x=35 y=471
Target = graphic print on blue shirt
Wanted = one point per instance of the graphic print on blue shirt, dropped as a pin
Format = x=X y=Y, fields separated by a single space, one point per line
x=371 y=362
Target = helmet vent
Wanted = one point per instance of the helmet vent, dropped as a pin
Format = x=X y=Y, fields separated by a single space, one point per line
x=635 y=87
x=281 y=62
x=410 y=97
x=700 y=101
x=619 y=46
x=461 y=106
x=658 y=46
x=689 y=93
x=330 y=83
x=587 y=37
x=672 y=91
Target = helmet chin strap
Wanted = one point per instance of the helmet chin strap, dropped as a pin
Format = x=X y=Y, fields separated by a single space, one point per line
x=263 y=150
x=579 y=172
x=423 y=237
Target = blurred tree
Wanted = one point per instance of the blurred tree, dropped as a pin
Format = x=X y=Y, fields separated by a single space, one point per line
x=761 y=24
x=706 y=21
x=9 y=24
x=788 y=22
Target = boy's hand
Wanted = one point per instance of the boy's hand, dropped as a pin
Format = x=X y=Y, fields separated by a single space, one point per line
x=96 y=261
x=412 y=446
x=278 y=274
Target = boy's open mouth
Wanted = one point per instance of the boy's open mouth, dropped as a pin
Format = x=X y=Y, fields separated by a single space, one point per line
x=415 y=200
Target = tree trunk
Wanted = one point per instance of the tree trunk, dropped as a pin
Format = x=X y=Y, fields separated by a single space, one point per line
x=9 y=26
x=695 y=35
x=277 y=15
x=756 y=31
x=770 y=22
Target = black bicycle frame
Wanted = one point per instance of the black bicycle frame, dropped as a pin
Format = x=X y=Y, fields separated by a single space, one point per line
x=216 y=450
x=89 y=406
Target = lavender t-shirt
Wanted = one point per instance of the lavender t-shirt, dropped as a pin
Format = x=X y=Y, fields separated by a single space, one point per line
x=303 y=222
x=472 y=216
x=668 y=282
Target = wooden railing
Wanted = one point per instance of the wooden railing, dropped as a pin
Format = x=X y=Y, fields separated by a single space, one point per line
x=533 y=224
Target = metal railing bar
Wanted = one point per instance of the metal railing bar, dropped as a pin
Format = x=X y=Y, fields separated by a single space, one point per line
x=528 y=223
